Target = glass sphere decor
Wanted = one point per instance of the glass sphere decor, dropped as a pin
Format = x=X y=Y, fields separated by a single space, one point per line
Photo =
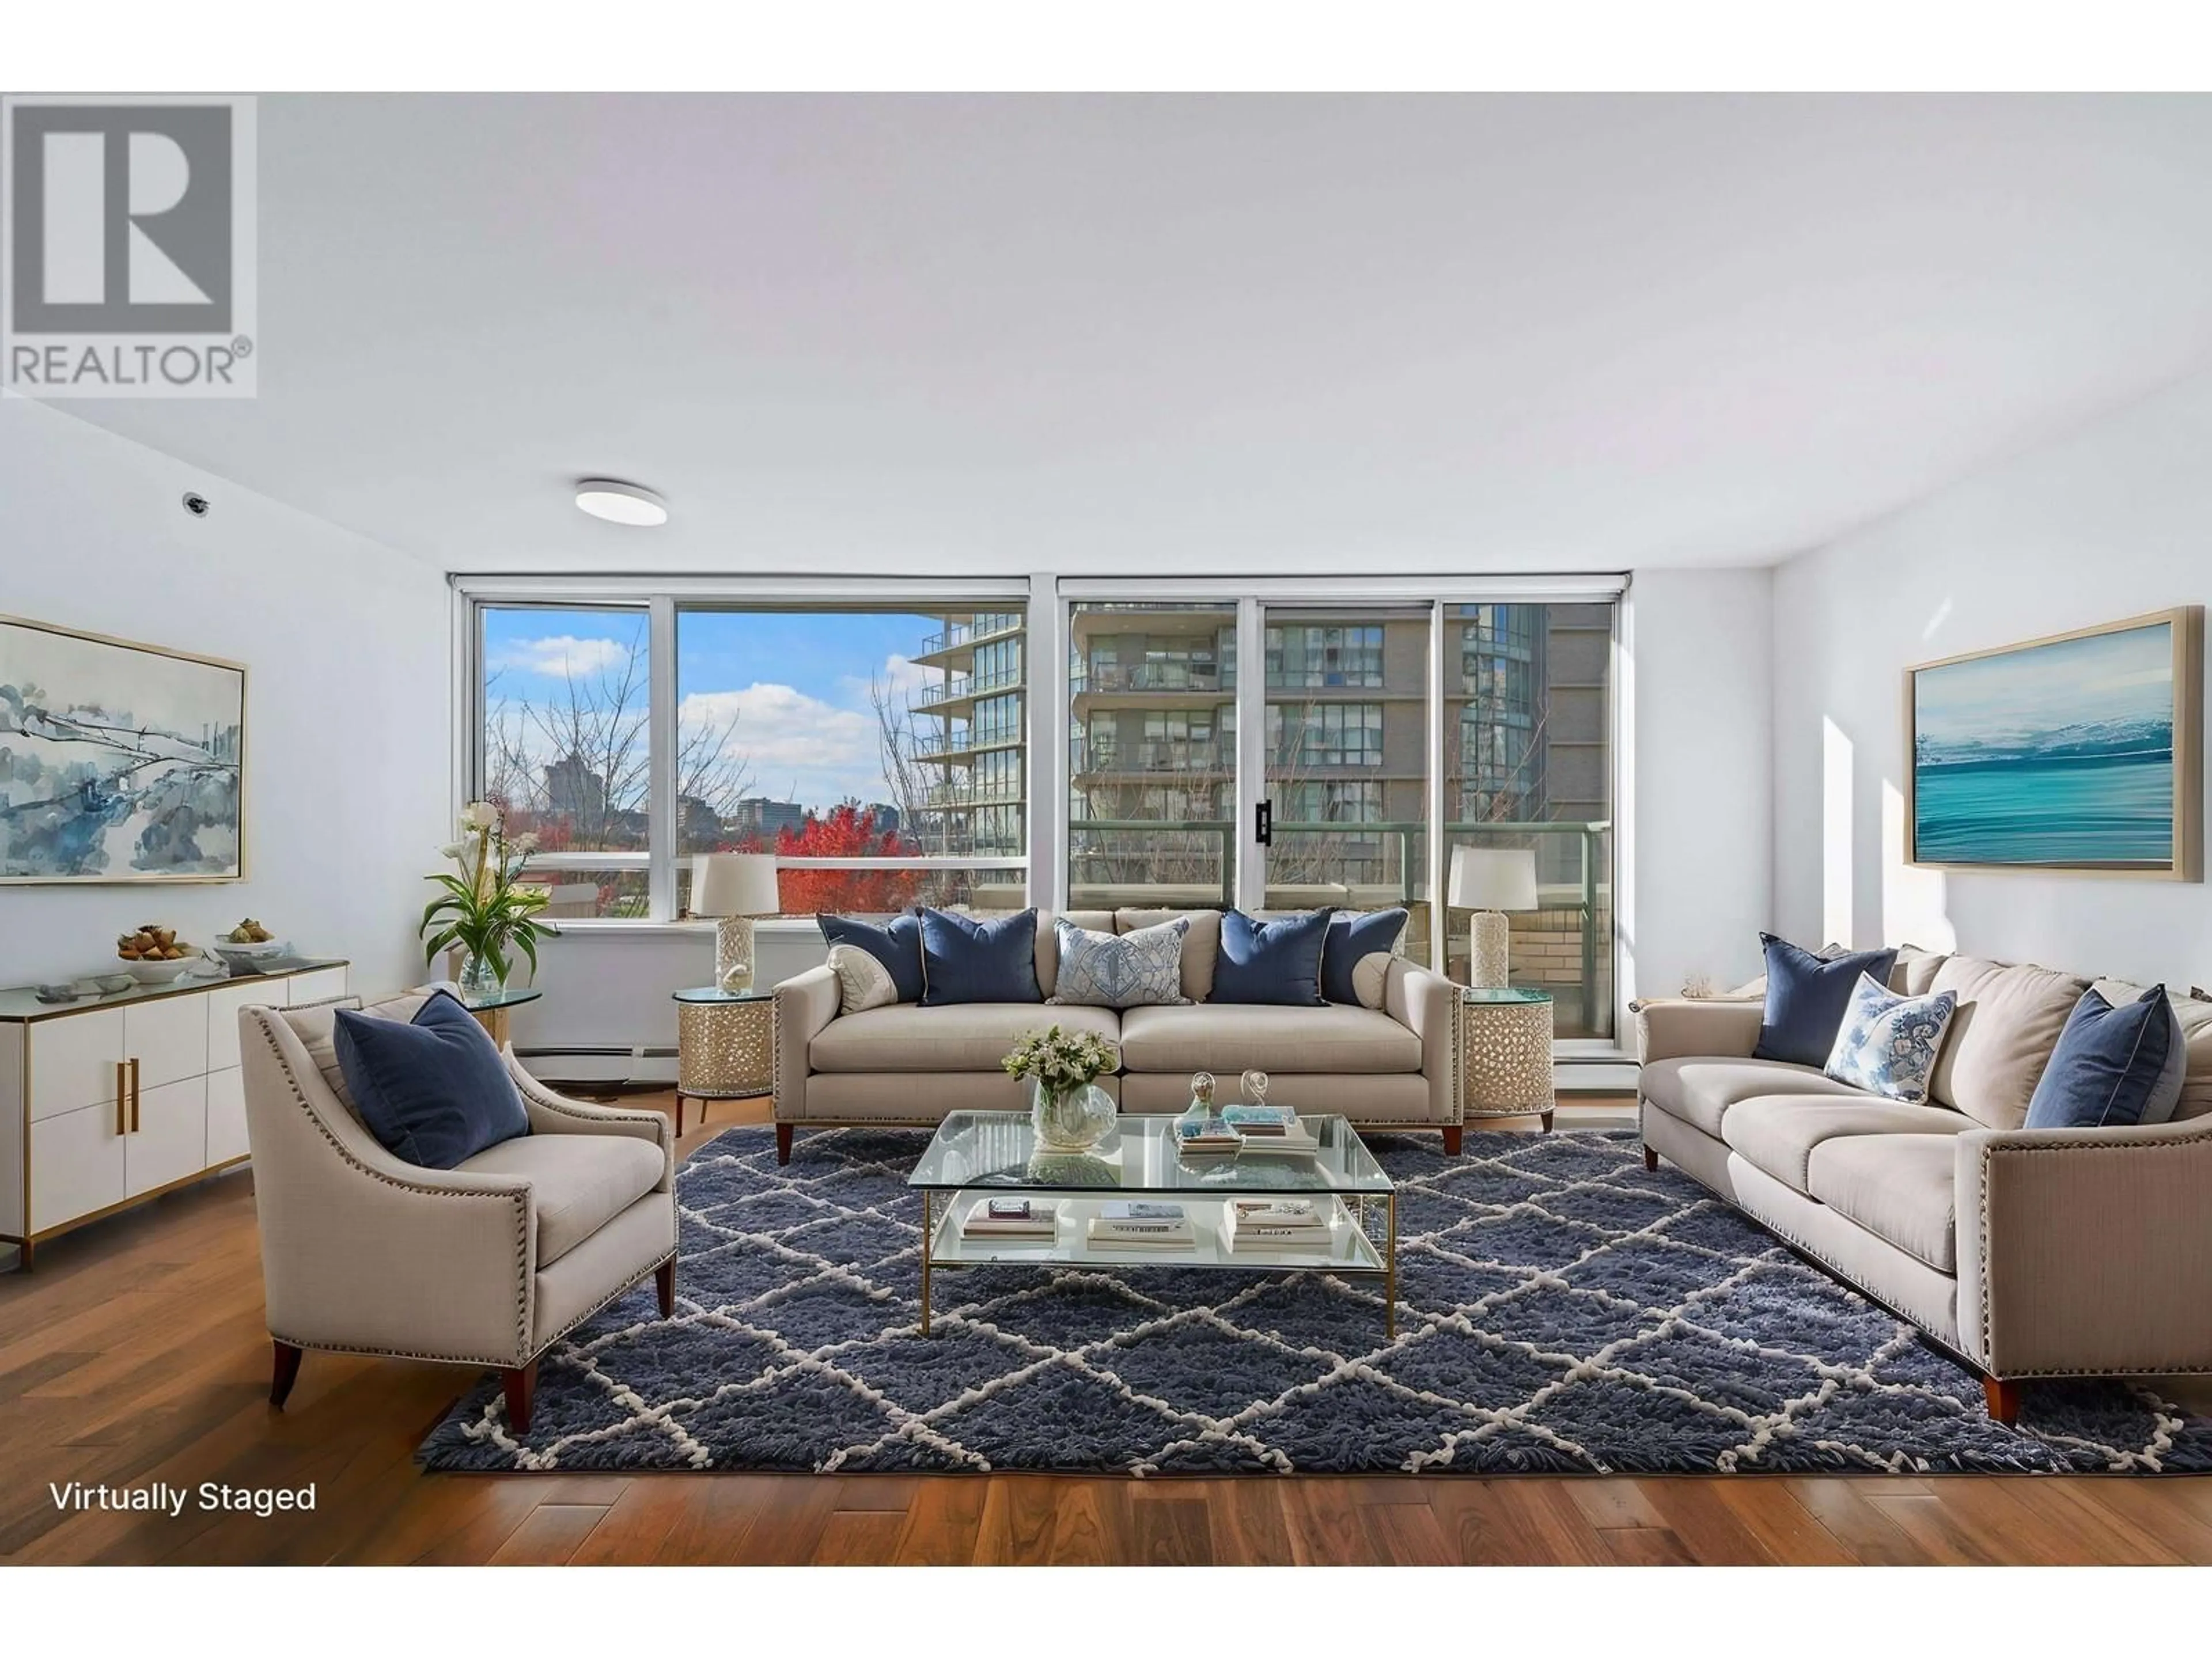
x=1070 y=1120
x=1254 y=1083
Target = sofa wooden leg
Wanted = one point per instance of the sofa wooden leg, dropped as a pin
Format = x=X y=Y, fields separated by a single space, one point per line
x=1651 y=1159
x=521 y=1386
x=2003 y=1399
x=783 y=1134
x=664 y=1282
x=1451 y=1140
x=284 y=1374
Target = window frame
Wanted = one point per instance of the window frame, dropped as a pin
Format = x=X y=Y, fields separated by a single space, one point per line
x=661 y=599
x=1041 y=605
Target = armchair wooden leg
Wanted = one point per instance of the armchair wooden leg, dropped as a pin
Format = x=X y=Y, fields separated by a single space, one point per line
x=1651 y=1159
x=2003 y=1399
x=663 y=1281
x=783 y=1134
x=285 y=1373
x=521 y=1387
x=1452 y=1139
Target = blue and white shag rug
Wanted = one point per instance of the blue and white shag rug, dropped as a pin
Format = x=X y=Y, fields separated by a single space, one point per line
x=1561 y=1310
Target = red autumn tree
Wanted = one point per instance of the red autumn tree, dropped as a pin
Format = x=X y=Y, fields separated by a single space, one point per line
x=844 y=832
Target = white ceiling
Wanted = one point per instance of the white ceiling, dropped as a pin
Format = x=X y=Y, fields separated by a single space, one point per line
x=899 y=333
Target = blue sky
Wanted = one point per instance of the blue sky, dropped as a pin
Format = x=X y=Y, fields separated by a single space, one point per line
x=2105 y=676
x=796 y=683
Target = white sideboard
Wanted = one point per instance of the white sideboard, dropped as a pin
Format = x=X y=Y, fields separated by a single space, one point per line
x=109 y=1101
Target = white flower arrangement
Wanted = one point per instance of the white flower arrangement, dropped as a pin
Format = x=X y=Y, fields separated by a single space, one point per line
x=1057 y=1060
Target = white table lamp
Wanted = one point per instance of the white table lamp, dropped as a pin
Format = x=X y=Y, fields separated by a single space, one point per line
x=1490 y=881
x=735 y=887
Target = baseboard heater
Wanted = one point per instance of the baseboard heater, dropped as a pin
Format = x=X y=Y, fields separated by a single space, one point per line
x=611 y=1068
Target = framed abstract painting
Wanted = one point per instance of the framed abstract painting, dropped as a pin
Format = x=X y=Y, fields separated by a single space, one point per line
x=2083 y=753
x=118 y=762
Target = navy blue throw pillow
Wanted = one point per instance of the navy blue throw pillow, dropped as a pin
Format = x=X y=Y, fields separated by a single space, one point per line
x=1353 y=935
x=434 y=1091
x=1807 y=998
x=2113 y=1067
x=1271 y=962
x=897 y=945
x=967 y=960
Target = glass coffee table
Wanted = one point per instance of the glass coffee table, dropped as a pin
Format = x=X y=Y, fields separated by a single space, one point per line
x=976 y=1155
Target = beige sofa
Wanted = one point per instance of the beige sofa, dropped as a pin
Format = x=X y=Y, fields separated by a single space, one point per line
x=2031 y=1253
x=1394 y=1068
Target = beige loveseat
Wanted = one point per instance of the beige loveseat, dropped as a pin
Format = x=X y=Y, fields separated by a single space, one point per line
x=1393 y=1068
x=2030 y=1252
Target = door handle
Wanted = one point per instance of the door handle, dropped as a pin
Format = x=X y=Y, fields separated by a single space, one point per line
x=122 y=1096
x=1263 y=823
x=134 y=1094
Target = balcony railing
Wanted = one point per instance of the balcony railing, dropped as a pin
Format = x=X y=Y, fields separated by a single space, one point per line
x=950 y=689
x=987 y=628
x=1152 y=676
x=956 y=688
x=1570 y=857
x=1166 y=756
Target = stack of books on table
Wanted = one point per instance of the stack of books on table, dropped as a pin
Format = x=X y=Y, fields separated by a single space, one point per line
x=1022 y=1219
x=1274 y=1224
x=1132 y=1223
x=1197 y=1137
x=1270 y=1129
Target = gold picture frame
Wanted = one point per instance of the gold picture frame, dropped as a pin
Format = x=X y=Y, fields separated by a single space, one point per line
x=18 y=634
x=1992 y=779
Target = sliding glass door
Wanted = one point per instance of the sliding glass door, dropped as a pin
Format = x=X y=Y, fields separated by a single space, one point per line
x=1152 y=756
x=1382 y=731
x=1345 y=705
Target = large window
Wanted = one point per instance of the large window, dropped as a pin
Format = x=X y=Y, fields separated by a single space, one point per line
x=882 y=750
x=565 y=749
x=856 y=744
x=1530 y=753
x=854 y=739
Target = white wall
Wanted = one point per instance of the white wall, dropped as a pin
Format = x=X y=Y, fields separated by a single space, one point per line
x=1697 y=737
x=2112 y=521
x=346 y=645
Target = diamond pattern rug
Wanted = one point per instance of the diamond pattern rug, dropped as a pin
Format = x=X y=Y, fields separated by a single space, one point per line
x=1561 y=1310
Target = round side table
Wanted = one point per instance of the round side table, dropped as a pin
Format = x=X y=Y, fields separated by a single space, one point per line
x=1505 y=1054
x=725 y=1047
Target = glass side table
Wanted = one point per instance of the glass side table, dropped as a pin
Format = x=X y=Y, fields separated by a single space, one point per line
x=725 y=1047
x=492 y=1008
x=1505 y=1054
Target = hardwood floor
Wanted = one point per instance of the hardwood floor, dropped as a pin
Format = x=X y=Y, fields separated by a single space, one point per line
x=136 y=1353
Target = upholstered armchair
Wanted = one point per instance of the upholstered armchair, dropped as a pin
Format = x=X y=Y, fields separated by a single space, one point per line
x=488 y=1264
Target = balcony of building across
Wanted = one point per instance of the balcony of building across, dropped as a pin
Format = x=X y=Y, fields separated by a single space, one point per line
x=955 y=643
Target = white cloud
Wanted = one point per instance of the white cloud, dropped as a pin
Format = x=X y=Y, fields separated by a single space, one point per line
x=562 y=656
x=798 y=747
x=902 y=675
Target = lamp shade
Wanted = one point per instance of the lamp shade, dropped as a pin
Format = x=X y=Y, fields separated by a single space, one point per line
x=1493 y=879
x=735 y=885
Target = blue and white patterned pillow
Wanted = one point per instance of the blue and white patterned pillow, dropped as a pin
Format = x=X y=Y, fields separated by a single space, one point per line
x=1138 y=969
x=1888 y=1044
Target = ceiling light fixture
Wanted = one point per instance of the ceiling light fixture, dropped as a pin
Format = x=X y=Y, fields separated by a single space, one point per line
x=620 y=503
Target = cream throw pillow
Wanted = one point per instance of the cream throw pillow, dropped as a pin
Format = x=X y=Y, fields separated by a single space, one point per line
x=862 y=982
x=1371 y=978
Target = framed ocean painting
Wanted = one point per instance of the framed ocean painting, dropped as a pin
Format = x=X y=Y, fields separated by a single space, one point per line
x=2083 y=753
x=118 y=762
